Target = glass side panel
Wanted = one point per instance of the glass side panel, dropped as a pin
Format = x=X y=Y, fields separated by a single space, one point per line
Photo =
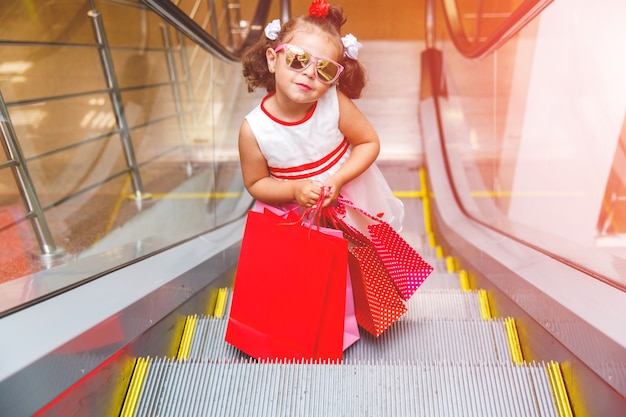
x=47 y=71
x=130 y=27
x=139 y=130
x=50 y=126
x=157 y=139
x=480 y=18
x=11 y=200
x=140 y=70
x=48 y=21
x=58 y=176
x=536 y=134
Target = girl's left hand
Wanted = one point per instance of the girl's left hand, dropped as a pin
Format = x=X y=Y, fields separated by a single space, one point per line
x=332 y=189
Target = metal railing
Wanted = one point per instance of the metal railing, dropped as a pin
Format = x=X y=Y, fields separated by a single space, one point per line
x=17 y=164
x=113 y=91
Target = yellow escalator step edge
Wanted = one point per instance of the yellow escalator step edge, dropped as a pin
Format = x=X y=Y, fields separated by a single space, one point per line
x=557 y=387
x=185 y=343
x=513 y=339
x=220 y=304
x=136 y=385
x=450 y=264
x=483 y=300
x=431 y=240
x=464 y=280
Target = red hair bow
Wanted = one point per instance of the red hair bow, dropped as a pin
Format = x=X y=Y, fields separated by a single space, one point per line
x=319 y=8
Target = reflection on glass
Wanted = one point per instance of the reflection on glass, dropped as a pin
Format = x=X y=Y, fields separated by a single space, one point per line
x=41 y=73
x=536 y=127
x=612 y=219
x=482 y=18
x=167 y=121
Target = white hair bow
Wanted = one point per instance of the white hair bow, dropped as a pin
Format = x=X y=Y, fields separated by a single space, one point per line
x=351 y=46
x=272 y=29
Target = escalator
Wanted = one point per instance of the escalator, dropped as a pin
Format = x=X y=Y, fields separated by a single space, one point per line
x=480 y=337
x=446 y=356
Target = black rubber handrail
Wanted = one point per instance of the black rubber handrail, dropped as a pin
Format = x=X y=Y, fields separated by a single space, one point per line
x=187 y=26
x=514 y=23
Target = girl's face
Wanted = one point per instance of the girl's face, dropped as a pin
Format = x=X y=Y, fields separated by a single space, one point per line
x=303 y=87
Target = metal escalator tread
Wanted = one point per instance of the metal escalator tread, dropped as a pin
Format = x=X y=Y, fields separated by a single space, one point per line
x=427 y=306
x=415 y=340
x=441 y=359
x=443 y=304
x=431 y=389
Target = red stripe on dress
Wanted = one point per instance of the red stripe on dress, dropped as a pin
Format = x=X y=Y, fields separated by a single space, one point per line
x=313 y=173
x=306 y=117
x=311 y=165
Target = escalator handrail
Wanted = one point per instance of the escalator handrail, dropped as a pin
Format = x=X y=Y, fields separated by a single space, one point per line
x=521 y=16
x=186 y=25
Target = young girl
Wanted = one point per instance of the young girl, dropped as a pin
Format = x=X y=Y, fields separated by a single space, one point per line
x=307 y=133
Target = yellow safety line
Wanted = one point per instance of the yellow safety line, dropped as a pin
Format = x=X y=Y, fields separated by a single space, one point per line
x=557 y=387
x=464 y=280
x=117 y=206
x=136 y=385
x=483 y=301
x=190 y=196
x=185 y=343
x=428 y=226
x=220 y=303
x=490 y=194
x=513 y=338
x=409 y=194
x=431 y=239
x=450 y=264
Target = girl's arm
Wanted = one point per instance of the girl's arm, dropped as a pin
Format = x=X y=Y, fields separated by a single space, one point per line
x=365 y=145
x=257 y=180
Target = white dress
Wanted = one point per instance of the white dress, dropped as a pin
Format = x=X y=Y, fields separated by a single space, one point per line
x=314 y=148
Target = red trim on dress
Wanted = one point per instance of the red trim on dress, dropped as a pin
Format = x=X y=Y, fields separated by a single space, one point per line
x=306 y=117
x=334 y=157
x=314 y=164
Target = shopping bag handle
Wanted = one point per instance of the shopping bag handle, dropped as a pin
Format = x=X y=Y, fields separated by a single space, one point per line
x=315 y=213
x=347 y=203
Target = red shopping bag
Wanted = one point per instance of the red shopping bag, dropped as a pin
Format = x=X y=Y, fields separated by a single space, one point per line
x=289 y=293
x=351 y=329
x=405 y=266
x=377 y=302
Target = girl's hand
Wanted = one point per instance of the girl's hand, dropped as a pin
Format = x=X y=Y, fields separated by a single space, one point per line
x=333 y=188
x=307 y=192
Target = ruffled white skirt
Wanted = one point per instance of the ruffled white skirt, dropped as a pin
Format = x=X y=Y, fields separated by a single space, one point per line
x=371 y=193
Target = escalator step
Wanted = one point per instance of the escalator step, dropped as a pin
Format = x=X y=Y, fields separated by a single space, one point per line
x=436 y=340
x=435 y=303
x=431 y=389
x=443 y=304
x=444 y=323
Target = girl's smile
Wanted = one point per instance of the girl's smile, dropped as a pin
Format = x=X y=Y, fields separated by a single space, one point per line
x=304 y=87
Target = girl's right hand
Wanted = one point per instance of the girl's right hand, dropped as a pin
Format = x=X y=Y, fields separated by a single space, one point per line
x=307 y=192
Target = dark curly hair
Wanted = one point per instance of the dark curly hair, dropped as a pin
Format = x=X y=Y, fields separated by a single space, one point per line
x=351 y=81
